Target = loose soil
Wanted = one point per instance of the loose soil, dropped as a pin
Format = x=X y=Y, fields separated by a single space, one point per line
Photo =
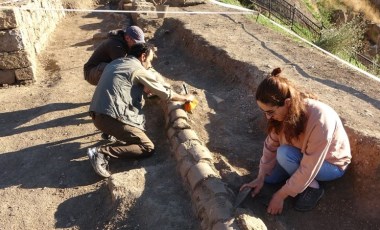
x=47 y=181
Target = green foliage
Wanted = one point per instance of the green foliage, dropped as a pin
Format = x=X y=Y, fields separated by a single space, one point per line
x=267 y=23
x=376 y=67
x=313 y=9
x=353 y=60
x=345 y=40
x=324 y=14
x=304 y=32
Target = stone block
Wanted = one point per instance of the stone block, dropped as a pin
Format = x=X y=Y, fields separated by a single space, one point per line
x=228 y=225
x=7 y=77
x=129 y=184
x=11 y=40
x=181 y=123
x=187 y=134
x=181 y=152
x=37 y=16
x=15 y=60
x=200 y=196
x=22 y=33
x=171 y=133
x=178 y=113
x=248 y=222
x=172 y=105
x=139 y=7
x=216 y=187
x=200 y=152
x=40 y=43
x=24 y=74
x=174 y=143
x=8 y=19
x=219 y=209
x=143 y=5
x=198 y=173
x=184 y=167
x=128 y=6
x=25 y=18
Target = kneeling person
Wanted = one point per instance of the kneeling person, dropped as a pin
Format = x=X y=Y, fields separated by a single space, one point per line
x=116 y=107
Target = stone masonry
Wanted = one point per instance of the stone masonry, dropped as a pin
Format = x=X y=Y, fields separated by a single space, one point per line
x=211 y=197
x=24 y=31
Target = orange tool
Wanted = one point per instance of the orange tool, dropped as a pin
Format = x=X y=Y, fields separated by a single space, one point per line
x=189 y=105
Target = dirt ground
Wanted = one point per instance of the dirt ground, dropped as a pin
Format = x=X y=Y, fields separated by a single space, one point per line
x=47 y=182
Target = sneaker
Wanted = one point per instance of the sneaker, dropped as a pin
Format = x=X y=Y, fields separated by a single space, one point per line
x=108 y=137
x=98 y=162
x=308 y=199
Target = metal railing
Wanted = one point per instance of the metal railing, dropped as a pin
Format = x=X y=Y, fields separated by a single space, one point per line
x=368 y=62
x=289 y=15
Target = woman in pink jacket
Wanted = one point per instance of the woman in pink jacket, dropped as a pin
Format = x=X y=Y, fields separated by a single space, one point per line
x=306 y=143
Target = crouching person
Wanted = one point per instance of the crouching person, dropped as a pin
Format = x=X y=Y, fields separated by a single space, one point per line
x=116 y=107
x=306 y=144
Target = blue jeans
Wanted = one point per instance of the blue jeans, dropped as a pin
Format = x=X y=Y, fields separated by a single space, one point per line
x=288 y=161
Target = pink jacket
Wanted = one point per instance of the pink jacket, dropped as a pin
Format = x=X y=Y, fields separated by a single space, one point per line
x=324 y=139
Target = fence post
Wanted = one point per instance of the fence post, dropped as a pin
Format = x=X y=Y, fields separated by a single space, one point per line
x=293 y=12
x=270 y=7
x=258 y=14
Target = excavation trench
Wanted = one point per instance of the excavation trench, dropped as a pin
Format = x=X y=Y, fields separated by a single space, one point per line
x=221 y=58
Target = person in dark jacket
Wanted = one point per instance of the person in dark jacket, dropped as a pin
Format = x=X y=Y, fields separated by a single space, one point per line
x=116 y=107
x=115 y=46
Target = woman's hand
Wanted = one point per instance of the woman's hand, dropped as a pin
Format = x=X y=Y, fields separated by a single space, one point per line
x=276 y=204
x=256 y=185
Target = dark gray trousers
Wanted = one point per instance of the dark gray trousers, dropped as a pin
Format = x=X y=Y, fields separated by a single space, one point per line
x=137 y=143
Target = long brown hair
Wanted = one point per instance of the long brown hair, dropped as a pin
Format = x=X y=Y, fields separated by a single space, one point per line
x=273 y=91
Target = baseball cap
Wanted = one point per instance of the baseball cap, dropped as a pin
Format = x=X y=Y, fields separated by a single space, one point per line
x=135 y=33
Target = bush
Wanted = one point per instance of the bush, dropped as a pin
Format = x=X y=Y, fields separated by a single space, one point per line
x=345 y=40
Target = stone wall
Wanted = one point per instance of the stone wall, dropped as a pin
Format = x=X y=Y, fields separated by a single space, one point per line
x=211 y=197
x=24 y=31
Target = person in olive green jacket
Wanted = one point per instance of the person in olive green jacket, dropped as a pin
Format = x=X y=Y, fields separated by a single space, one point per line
x=116 y=107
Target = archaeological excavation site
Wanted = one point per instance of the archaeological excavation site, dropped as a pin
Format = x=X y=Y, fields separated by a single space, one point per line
x=202 y=157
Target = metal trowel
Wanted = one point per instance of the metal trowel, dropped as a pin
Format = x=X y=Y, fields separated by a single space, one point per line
x=241 y=196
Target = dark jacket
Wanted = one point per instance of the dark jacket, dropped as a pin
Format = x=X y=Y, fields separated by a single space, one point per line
x=110 y=49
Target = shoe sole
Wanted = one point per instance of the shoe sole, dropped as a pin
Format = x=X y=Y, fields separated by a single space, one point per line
x=92 y=157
